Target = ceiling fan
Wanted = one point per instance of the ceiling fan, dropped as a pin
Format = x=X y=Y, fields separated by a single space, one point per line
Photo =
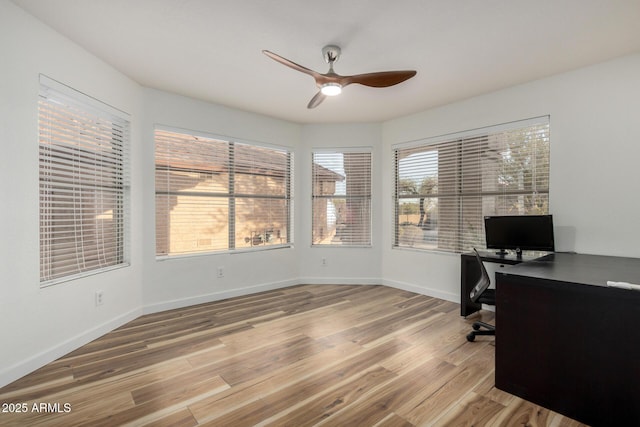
x=331 y=83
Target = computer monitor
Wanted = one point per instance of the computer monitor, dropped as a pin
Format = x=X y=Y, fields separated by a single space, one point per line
x=519 y=232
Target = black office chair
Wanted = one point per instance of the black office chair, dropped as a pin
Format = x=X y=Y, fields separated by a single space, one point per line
x=483 y=295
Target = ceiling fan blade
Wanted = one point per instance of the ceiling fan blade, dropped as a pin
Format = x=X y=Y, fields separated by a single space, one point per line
x=316 y=100
x=381 y=79
x=290 y=64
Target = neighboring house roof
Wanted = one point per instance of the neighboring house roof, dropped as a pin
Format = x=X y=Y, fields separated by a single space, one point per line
x=324 y=174
x=200 y=154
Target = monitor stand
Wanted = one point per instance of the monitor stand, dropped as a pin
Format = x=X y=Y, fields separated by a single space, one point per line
x=502 y=253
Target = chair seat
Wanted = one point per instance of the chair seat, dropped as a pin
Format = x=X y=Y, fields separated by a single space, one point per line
x=487 y=297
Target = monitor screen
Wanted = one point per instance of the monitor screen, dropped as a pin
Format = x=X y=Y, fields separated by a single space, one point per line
x=521 y=232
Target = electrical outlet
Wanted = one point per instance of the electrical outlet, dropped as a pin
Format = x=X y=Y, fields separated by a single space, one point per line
x=220 y=272
x=324 y=262
x=99 y=298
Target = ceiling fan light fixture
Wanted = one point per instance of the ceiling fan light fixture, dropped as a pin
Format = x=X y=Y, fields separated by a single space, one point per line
x=331 y=89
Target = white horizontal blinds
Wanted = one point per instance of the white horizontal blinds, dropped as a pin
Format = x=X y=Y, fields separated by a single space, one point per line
x=425 y=178
x=262 y=195
x=192 y=193
x=504 y=173
x=341 y=196
x=444 y=189
x=84 y=183
x=215 y=195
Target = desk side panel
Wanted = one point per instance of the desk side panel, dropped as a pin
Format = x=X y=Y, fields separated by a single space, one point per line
x=569 y=347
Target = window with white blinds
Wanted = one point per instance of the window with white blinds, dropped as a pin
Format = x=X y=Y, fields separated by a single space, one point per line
x=445 y=187
x=341 y=197
x=216 y=195
x=84 y=184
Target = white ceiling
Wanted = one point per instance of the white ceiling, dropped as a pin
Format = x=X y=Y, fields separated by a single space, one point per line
x=211 y=49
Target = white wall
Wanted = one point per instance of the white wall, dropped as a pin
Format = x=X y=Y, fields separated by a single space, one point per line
x=343 y=265
x=595 y=147
x=183 y=281
x=40 y=325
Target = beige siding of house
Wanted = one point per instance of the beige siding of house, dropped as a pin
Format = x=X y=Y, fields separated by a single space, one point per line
x=194 y=223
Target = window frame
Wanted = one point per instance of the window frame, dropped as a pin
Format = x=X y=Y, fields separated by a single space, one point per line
x=367 y=196
x=456 y=184
x=89 y=156
x=231 y=195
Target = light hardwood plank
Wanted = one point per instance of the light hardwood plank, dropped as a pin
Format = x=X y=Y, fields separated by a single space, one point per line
x=309 y=355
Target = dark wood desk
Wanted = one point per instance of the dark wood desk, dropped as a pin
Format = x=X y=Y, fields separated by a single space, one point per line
x=470 y=273
x=566 y=341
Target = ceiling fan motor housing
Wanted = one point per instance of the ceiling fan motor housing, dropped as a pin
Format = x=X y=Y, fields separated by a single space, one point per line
x=331 y=53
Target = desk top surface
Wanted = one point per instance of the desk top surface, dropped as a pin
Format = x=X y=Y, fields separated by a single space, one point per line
x=509 y=258
x=593 y=270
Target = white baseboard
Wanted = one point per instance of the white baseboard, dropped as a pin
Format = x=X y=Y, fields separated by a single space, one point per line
x=216 y=296
x=447 y=296
x=19 y=370
x=338 y=281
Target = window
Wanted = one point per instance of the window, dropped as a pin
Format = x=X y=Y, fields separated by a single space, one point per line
x=215 y=195
x=341 y=198
x=445 y=186
x=84 y=184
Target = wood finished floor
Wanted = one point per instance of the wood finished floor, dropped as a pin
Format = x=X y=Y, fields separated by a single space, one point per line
x=301 y=356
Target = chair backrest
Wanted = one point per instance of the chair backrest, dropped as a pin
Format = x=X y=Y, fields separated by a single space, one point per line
x=484 y=281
